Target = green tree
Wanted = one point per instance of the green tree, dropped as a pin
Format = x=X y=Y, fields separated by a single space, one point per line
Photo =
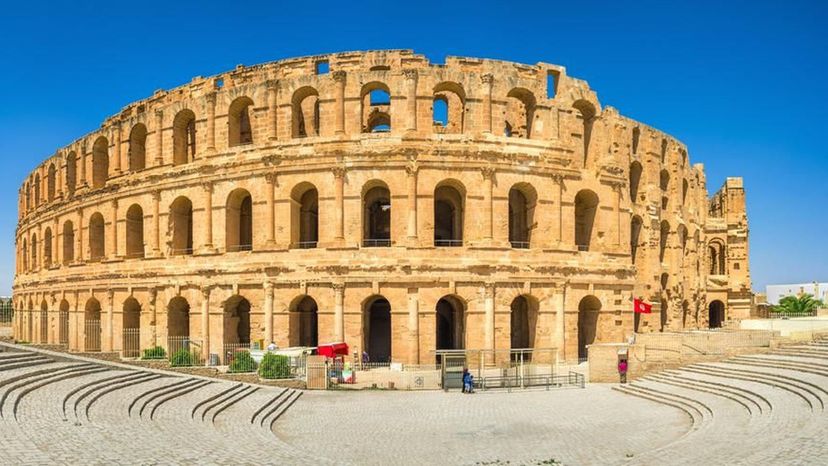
x=803 y=304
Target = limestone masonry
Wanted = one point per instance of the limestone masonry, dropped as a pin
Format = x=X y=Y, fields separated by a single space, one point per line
x=378 y=199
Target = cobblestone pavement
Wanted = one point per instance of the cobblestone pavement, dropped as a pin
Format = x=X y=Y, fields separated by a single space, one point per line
x=763 y=409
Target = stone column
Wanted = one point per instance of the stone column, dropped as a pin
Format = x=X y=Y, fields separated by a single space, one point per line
x=411 y=98
x=339 y=115
x=559 y=205
x=113 y=232
x=153 y=309
x=268 y=312
x=159 y=138
x=156 y=224
x=411 y=170
x=339 y=311
x=488 y=81
x=59 y=177
x=208 y=217
x=560 y=328
x=82 y=160
x=273 y=109
x=489 y=307
x=211 y=122
x=110 y=321
x=617 y=187
x=488 y=203
x=79 y=238
x=116 y=150
x=339 y=202
x=57 y=256
x=414 y=324
x=270 y=216
x=205 y=323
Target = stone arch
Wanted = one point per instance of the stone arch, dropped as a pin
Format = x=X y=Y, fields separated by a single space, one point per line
x=454 y=98
x=135 y=232
x=47 y=248
x=685 y=312
x=34 y=245
x=304 y=214
x=239 y=127
x=37 y=190
x=635 y=236
x=97 y=237
x=51 y=182
x=239 y=221
x=376 y=214
x=716 y=314
x=450 y=324
x=663 y=240
x=305 y=112
x=131 y=318
x=100 y=162
x=585 y=112
x=137 y=147
x=44 y=322
x=237 y=321
x=717 y=257
x=522 y=201
x=25 y=251
x=178 y=318
x=635 y=180
x=68 y=242
x=376 y=328
x=664 y=184
x=304 y=322
x=586 y=209
x=681 y=234
x=92 y=325
x=636 y=135
x=184 y=137
x=588 y=311
x=71 y=172
x=449 y=209
x=519 y=113
x=63 y=322
x=685 y=188
x=181 y=226
x=524 y=320
x=376 y=107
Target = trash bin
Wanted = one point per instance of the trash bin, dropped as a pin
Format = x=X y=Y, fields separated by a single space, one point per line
x=214 y=360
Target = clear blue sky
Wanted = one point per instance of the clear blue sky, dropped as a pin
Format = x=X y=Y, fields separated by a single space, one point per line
x=743 y=84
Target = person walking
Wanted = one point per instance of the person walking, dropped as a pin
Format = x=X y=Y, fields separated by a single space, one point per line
x=622 y=370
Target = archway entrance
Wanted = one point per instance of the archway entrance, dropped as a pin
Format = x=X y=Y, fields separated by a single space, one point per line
x=523 y=321
x=717 y=314
x=63 y=323
x=377 y=329
x=304 y=323
x=588 y=310
x=237 y=321
x=450 y=326
x=92 y=326
x=131 y=328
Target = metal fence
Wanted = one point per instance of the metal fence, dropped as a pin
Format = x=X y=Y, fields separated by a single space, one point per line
x=44 y=327
x=508 y=382
x=63 y=328
x=184 y=352
x=6 y=312
x=131 y=343
x=92 y=336
x=237 y=357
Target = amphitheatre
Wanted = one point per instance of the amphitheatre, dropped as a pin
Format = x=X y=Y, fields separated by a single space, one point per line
x=410 y=210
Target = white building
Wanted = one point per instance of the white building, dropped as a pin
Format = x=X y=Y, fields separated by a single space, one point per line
x=777 y=292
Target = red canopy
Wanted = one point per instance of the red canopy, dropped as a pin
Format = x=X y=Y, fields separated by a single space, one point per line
x=332 y=350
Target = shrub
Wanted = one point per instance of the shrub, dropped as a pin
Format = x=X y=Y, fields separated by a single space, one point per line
x=274 y=366
x=155 y=352
x=182 y=358
x=242 y=362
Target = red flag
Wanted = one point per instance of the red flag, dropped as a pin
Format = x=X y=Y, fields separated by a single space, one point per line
x=641 y=307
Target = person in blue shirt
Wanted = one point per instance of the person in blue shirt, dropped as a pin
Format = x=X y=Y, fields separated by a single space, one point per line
x=466 y=381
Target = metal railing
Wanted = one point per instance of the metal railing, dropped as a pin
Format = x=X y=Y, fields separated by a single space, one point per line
x=306 y=244
x=239 y=248
x=63 y=328
x=790 y=315
x=131 y=343
x=135 y=255
x=44 y=328
x=583 y=247
x=237 y=357
x=571 y=379
x=376 y=243
x=184 y=352
x=92 y=336
x=520 y=244
x=448 y=243
x=181 y=252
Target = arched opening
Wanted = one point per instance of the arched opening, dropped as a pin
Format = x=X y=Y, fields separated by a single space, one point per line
x=237 y=321
x=685 y=313
x=305 y=216
x=663 y=150
x=588 y=310
x=586 y=207
x=585 y=113
x=376 y=217
x=450 y=323
x=304 y=322
x=51 y=182
x=184 y=137
x=138 y=147
x=97 y=238
x=37 y=190
x=71 y=173
x=664 y=238
x=665 y=301
x=685 y=188
x=524 y=318
x=239 y=221
x=305 y=109
x=29 y=321
x=376 y=108
x=68 y=242
x=664 y=183
x=519 y=113
x=47 y=248
x=377 y=329
x=100 y=162
x=681 y=232
x=63 y=323
x=239 y=130
x=635 y=180
x=449 y=108
x=636 y=135
x=92 y=325
x=449 y=205
x=135 y=232
x=522 y=201
x=35 y=245
x=181 y=226
x=28 y=190
x=44 y=322
x=635 y=236
x=25 y=252
x=716 y=251
x=131 y=325
x=716 y=314
x=178 y=319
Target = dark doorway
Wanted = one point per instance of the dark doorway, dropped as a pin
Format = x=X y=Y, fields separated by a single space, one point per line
x=378 y=330
x=717 y=314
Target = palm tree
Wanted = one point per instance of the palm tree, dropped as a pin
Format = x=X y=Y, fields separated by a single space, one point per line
x=804 y=304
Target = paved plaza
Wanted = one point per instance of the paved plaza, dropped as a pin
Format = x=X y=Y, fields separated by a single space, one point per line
x=763 y=409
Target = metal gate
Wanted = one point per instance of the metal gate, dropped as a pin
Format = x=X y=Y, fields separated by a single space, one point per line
x=452 y=370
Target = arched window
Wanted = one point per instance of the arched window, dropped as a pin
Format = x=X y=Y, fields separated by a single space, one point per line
x=63 y=323
x=178 y=323
x=305 y=216
x=449 y=105
x=635 y=180
x=304 y=322
x=92 y=326
x=663 y=150
x=135 y=232
x=97 y=241
x=588 y=312
x=585 y=113
x=450 y=323
x=716 y=314
x=682 y=238
x=636 y=135
x=663 y=240
x=138 y=147
x=522 y=201
x=131 y=325
x=236 y=322
x=586 y=208
x=181 y=227
x=685 y=188
x=524 y=318
x=184 y=137
x=68 y=242
x=635 y=236
x=519 y=113
x=664 y=183
x=449 y=205
x=71 y=173
x=239 y=221
x=34 y=246
x=28 y=195
x=305 y=110
x=376 y=108
x=37 y=191
x=376 y=216
x=717 y=257
x=47 y=248
x=685 y=312
x=100 y=162
x=238 y=122
x=25 y=252
x=51 y=182
x=44 y=322
x=377 y=329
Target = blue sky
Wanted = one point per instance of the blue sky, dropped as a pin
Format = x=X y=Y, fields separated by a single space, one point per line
x=741 y=83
